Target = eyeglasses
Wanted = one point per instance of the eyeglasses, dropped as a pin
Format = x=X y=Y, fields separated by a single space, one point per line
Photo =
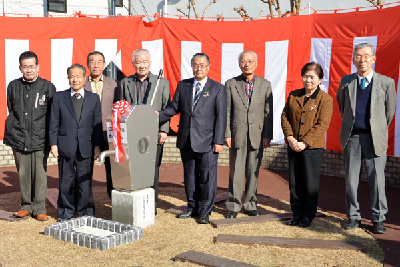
x=251 y=62
x=305 y=78
x=78 y=77
x=360 y=57
x=144 y=62
x=202 y=67
x=30 y=67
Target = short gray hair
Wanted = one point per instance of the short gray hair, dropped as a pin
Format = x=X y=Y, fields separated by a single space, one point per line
x=139 y=52
x=78 y=66
x=247 y=52
x=360 y=46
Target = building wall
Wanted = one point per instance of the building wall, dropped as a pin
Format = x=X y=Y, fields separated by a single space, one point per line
x=142 y=7
x=39 y=7
x=274 y=158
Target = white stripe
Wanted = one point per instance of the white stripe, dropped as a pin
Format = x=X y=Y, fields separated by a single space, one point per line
x=109 y=49
x=321 y=54
x=359 y=40
x=230 y=63
x=188 y=49
x=156 y=51
x=59 y=67
x=13 y=49
x=397 y=125
x=276 y=55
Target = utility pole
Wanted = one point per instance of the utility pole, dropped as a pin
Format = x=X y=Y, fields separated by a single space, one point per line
x=111 y=69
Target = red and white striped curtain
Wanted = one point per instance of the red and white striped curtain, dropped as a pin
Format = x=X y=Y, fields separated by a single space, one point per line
x=283 y=46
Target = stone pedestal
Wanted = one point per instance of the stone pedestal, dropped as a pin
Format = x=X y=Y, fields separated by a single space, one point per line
x=135 y=207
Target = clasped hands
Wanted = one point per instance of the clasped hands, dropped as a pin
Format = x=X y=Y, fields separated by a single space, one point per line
x=295 y=145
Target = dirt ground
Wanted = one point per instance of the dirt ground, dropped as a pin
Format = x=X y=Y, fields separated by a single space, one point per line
x=23 y=243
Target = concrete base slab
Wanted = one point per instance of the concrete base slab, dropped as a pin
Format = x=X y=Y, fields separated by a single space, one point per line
x=135 y=207
x=94 y=233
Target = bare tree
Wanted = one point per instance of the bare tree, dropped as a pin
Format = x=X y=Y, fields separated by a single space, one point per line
x=242 y=12
x=212 y=2
x=295 y=6
x=273 y=3
x=376 y=3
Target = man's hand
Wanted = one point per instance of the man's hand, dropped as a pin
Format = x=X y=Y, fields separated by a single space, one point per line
x=54 y=151
x=157 y=112
x=97 y=152
x=162 y=136
x=266 y=142
x=228 y=141
x=217 y=148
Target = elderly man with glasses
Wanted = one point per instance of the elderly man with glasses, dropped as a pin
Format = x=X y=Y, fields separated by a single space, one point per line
x=367 y=102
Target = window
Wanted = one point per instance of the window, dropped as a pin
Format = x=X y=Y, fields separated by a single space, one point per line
x=119 y=3
x=59 y=6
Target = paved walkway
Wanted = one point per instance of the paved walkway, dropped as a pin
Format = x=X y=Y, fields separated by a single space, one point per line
x=271 y=183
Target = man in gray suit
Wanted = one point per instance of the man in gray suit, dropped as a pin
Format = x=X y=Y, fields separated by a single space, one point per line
x=367 y=102
x=139 y=89
x=248 y=131
x=105 y=87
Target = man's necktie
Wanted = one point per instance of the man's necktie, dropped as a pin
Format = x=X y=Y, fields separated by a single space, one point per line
x=196 y=95
x=77 y=96
x=363 y=83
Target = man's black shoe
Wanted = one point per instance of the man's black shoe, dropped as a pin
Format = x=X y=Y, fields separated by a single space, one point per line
x=305 y=222
x=253 y=213
x=294 y=221
x=352 y=224
x=204 y=219
x=379 y=228
x=185 y=215
x=231 y=214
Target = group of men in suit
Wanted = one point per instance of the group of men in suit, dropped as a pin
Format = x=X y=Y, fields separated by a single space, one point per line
x=239 y=115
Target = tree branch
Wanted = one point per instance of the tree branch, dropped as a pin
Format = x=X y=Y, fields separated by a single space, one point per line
x=212 y=2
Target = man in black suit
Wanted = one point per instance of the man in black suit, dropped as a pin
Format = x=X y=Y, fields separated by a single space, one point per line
x=75 y=135
x=201 y=103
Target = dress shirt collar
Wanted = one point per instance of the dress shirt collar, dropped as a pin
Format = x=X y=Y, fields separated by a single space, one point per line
x=202 y=82
x=369 y=78
x=93 y=80
x=136 y=78
x=81 y=92
x=30 y=81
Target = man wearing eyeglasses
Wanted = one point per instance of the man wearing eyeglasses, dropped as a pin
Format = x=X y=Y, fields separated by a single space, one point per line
x=26 y=131
x=367 y=102
x=248 y=132
x=201 y=103
x=140 y=89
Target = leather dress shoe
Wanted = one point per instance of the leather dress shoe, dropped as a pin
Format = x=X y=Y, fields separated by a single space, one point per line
x=352 y=224
x=305 y=222
x=253 y=213
x=204 y=219
x=231 y=214
x=379 y=228
x=21 y=214
x=294 y=221
x=41 y=217
x=185 y=215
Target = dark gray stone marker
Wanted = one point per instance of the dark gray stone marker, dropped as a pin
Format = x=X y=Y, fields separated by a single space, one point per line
x=290 y=242
x=208 y=260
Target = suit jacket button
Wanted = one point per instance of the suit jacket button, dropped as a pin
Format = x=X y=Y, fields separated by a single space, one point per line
x=300 y=135
x=301 y=123
x=76 y=138
x=304 y=112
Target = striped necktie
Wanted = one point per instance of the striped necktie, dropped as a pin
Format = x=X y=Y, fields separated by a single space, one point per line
x=196 y=95
x=77 y=96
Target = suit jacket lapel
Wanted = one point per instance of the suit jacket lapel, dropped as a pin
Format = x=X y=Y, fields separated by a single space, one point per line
x=189 y=94
x=241 y=91
x=353 y=93
x=204 y=93
x=86 y=105
x=150 y=88
x=375 y=95
x=256 y=89
x=132 y=90
x=70 y=105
